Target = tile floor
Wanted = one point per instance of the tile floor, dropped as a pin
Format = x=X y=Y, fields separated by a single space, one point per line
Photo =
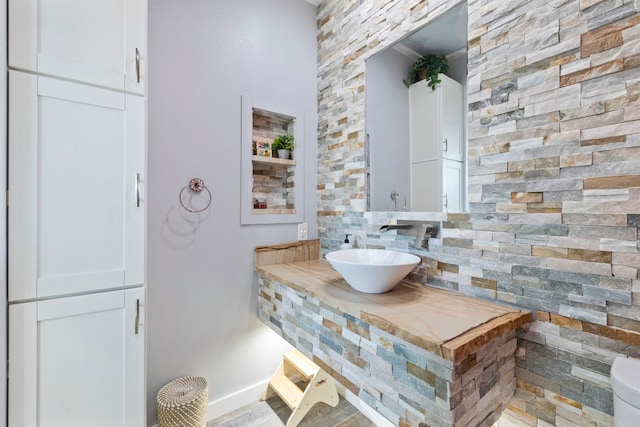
x=274 y=413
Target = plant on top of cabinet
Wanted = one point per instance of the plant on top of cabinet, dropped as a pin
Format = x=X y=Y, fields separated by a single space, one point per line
x=284 y=144
x=428 y=67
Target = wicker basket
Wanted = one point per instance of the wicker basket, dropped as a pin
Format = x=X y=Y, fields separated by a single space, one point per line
x=183 y=403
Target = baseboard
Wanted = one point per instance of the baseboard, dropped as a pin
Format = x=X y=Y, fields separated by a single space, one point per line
x=366 y=410
x=236 y=400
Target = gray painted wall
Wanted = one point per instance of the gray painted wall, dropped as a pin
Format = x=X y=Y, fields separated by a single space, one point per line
x=202 y=293
x=458 y=66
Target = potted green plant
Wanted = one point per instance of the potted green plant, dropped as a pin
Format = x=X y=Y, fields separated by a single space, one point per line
x=284 y=145
x=428 y=67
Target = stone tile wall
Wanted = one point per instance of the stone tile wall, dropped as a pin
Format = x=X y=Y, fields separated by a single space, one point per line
x=268 y=125
x=407 y=384
x=274 y=184
x=554 y=180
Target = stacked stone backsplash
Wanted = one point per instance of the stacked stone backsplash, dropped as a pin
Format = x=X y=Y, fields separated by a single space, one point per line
x=274 y=184
x=554 y=180
x=409 y=385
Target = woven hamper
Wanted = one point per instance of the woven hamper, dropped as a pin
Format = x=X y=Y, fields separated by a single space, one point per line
x=183 y=403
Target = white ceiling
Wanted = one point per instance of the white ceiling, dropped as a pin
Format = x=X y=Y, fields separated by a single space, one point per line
x=314 y=2
x=444 y=35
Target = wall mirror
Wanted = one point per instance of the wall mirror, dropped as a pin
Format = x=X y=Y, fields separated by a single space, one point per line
x=416 y=139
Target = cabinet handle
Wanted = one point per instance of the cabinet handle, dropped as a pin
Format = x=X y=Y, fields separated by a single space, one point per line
x=446 y=145
x=137 y=329
x=138 y=190
x=445 y=201
x=137 y=65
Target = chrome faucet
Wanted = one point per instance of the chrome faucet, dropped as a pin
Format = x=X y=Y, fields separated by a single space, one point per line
x=424 y=230
x=390 y=227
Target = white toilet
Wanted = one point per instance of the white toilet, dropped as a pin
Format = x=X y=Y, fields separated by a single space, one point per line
x=625 y=381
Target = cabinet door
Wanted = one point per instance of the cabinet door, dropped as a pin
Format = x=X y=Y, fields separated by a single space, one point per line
x=76 y=160
x=135 y=53
x=426 y=187
x=453 y=185
x=87 y=41
x=451 y=114
x=77 y=361
x=424 y=123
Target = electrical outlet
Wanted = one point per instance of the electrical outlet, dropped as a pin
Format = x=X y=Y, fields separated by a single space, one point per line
x=303 y=231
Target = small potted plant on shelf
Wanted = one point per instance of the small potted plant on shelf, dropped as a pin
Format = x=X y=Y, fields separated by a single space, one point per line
x=428 y=67
x=284 y=144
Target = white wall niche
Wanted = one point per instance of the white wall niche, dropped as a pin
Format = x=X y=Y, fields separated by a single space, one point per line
x=287 y=211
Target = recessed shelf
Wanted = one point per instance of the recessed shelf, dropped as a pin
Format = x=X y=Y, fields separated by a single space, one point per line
x=269 y=180
x=273 y=161
x=272 y=211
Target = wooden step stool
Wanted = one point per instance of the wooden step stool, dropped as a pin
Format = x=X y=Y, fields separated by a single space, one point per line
x=320 y=388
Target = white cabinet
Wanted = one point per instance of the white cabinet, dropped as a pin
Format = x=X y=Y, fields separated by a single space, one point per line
x=437 y=146
x=452 y=185
x=76 y=165
x=78 y=361
x=99 y=42
x=76 y=215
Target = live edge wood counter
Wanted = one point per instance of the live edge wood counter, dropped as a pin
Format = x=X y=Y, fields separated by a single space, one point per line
x=448 y=324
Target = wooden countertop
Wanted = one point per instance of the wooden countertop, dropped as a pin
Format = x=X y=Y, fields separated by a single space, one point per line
x=446 y=323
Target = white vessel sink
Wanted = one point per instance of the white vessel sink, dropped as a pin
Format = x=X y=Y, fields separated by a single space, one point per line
x=372 y=271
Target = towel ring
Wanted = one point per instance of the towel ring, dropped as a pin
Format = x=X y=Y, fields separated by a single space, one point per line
x=196 y=185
